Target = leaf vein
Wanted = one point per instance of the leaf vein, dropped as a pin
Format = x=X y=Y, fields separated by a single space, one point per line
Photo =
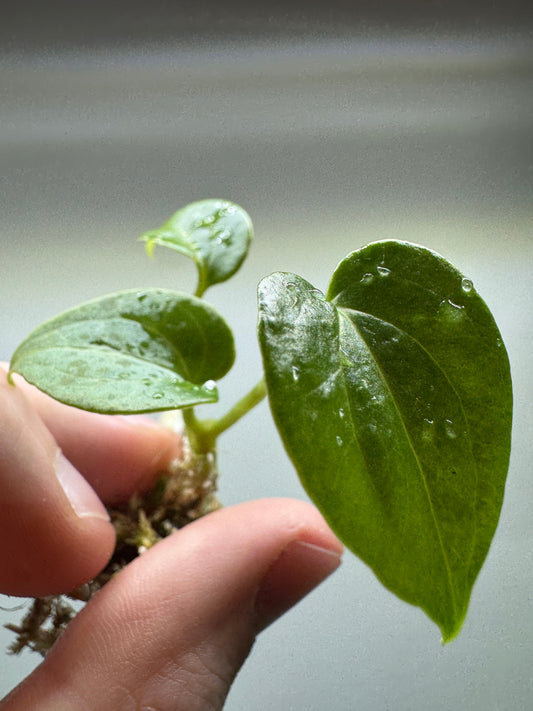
x=419 y=465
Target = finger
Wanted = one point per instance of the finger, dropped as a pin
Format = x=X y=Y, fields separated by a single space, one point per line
x=54 y=530
x=117 y=455
x=172 y=629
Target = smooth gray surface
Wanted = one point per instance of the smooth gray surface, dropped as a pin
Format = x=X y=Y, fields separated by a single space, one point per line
x=328 y=145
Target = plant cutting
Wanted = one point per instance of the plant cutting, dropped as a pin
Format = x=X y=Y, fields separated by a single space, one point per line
x=391 y=391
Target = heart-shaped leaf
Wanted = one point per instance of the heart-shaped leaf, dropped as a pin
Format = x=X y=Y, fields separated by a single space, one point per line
x=215 y=234
x=131 y=351
x=393 y=399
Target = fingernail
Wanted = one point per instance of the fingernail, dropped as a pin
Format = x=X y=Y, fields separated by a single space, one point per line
x=82 y=497
x=298 y=570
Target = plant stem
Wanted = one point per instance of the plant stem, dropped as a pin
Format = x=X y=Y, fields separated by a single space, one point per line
x=193 y=427
x=203 y=433
x=244 y=405
x=202 y=282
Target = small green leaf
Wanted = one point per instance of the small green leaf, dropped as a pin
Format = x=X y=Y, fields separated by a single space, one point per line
x=393 y=399
x=131 y=351
x=215 y=234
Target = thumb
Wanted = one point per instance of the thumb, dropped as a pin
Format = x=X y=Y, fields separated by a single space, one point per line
x=173 y=628
x=54 y=530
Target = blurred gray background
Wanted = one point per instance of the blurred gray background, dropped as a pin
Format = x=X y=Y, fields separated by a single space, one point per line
x=333 y=126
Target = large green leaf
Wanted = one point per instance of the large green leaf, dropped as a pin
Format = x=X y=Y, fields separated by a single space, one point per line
x=215 y=234
x=131 y=351
x=393 y=399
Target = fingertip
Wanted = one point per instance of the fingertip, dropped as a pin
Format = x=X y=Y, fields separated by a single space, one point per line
x=119 y=455
x=300 y=568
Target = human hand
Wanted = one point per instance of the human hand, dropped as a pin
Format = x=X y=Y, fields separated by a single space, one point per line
x=173 y=628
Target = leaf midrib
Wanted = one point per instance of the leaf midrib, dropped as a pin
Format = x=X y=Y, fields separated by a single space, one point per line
x=452 y=387
x=413 y=450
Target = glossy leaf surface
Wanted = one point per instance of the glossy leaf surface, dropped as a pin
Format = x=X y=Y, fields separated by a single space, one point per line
x=393 y=399
x=131 y=351
x=215 y=234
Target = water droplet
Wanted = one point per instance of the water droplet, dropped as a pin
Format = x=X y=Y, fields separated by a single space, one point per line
x=141 y=296
x=295 y=373
x=455 y=306
x=377 y=399
x=158 y=396
x=224 y=238
x=147 y=381
x=372 y=427
x=367 y=278
x=339 y=441
x=451 y=311
x=383 y=271
x=449 y=429
x=428 y=431
x=466 y=285
x=292 y=289
x=210 y=385
x=327 y=388
x=317 y=294
x=341 y=413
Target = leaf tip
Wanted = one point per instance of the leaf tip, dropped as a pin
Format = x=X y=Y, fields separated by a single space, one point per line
x=450 y=632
